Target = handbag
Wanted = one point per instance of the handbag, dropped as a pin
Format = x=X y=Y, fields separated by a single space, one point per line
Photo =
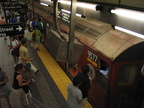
x=16 y=50
x=27 y=67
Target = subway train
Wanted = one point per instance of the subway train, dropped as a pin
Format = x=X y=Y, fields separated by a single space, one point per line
x=115 y=58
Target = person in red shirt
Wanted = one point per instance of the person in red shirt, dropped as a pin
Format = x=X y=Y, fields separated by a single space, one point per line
x=2 y=22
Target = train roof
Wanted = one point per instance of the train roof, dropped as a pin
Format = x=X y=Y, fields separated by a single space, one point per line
x=100 y=36
x=113 y=44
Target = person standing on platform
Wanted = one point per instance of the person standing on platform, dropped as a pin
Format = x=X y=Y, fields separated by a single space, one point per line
x=74 y=98
x=4 y=90
x=85 y=85
x=13 y=49
x=19 y=83
x=24 y=57
x=39 y=25
x=38 y=36
x=3 y=22
x=28 y=35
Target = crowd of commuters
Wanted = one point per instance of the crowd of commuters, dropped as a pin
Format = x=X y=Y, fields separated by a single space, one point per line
x=77 y=90
x=17 y=47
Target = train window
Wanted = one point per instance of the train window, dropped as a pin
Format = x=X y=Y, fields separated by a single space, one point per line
x=127 y=74
x=104 y=68
x=102 y=76
x=102 y=81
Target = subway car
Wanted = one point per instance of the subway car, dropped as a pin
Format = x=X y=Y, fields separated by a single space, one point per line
x=115 y=58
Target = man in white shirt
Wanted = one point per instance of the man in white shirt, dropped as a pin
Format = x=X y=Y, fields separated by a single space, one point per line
x=74 y=98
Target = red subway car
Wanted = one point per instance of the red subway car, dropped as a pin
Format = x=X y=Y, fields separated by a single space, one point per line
x=115 y=58
x=118 y=64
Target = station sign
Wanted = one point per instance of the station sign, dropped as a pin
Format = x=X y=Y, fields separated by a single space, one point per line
x=5 y=0
x=11 y=29
x=8 y=0
x=15 y=6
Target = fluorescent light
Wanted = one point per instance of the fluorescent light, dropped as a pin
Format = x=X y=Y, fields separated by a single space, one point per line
x=130 y=32
x=65 y=11
x=44 y=4
x=65 y=2
x=79 y=15
x=80 y=4
x=86 y=5
x=129 y=13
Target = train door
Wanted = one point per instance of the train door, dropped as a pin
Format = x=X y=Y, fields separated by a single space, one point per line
x=99 y=87
x=125 y=84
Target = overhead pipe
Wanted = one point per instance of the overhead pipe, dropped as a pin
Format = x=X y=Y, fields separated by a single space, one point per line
x=55 y=18
x=72 y=29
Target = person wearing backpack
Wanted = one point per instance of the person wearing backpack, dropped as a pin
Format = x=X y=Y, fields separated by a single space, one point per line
x=14 y=49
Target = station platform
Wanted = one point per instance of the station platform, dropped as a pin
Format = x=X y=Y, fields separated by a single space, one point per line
x=50 y=89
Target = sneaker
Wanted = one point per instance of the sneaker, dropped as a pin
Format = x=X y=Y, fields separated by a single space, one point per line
x=15 y=64
x=36 y=71
x=33 y=81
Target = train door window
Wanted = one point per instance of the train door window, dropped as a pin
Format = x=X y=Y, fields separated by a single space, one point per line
x=127 y=74
x=104 y=68
x=102 y=76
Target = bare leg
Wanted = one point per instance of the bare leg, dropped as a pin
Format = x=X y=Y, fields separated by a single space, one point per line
x=8 y=102
x=14 y=58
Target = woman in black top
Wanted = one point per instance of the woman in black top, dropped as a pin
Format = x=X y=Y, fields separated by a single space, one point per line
x=85 y=85
x=19 y=83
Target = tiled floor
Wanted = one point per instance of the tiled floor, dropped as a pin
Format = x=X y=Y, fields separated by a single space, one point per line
x=6 y=63
x=50 y=74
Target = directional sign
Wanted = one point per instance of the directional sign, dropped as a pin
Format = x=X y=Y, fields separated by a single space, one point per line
x=11 y=29
x=5 y=0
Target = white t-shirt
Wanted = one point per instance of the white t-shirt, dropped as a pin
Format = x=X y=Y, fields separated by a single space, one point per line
x=13 y=43
x=27 y=34
x=74 y=94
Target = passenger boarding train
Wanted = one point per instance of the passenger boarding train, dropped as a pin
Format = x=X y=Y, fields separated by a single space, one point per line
x=115 y=58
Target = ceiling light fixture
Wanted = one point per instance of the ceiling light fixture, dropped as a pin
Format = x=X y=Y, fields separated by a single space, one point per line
x=44 y=4
x=129 y=13
x=98 y=7
x=80 y=4
x=129 y=32
x=66 y=11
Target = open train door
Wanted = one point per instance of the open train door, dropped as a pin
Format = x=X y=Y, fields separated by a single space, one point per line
x=99 y=85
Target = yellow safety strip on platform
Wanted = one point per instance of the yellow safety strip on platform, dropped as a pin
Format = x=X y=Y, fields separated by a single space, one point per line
x=58 y=75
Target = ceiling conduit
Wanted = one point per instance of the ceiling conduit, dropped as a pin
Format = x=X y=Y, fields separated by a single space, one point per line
x=60 y=45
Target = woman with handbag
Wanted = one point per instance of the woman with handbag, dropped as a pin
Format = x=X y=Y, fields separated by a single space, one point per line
x=20 y=84
x=14 y=48
x=4 y=90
